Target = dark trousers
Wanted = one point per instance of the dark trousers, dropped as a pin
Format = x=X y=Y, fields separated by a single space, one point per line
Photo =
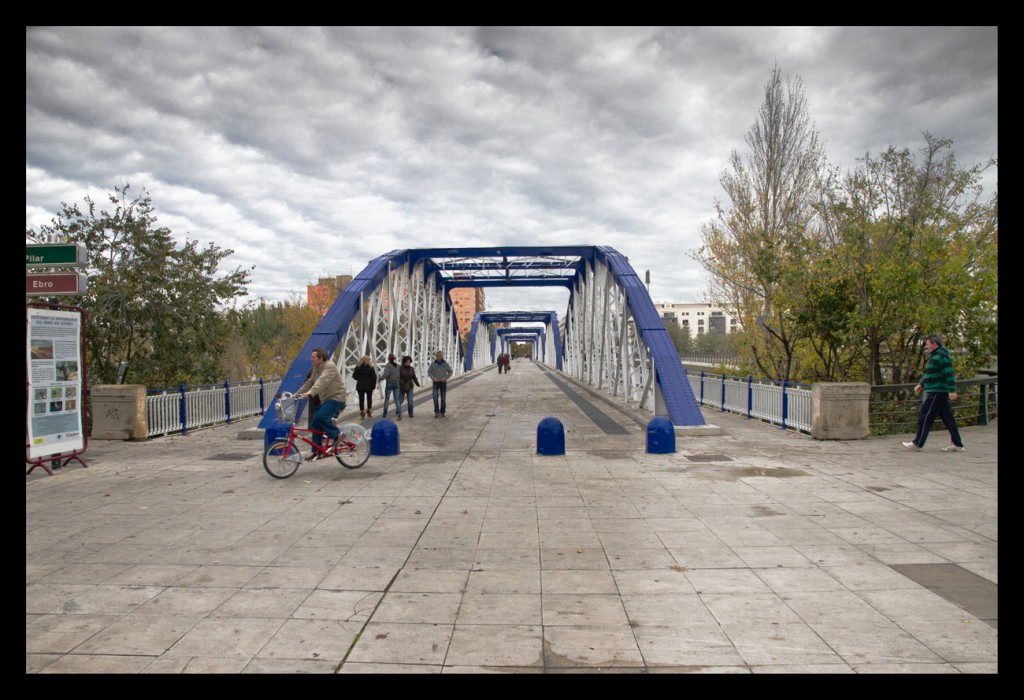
x=936 y=405
x=323 y=420
x=440 y=396
x=367 y=396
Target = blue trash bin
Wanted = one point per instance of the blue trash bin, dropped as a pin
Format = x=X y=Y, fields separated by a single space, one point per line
x=661 y=436
x=550 y=437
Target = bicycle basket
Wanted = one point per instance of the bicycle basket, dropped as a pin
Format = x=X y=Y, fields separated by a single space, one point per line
x=285 y=407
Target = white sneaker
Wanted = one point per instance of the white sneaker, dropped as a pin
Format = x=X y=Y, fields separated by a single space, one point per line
x=953 y=448
x=910 y=445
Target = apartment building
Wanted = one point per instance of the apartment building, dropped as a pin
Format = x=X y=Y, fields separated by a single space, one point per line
x=467 y=302
x=699 y=318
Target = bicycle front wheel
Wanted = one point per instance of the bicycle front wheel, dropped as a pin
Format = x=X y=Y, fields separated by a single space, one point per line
x=356 y=455
x=281 y=460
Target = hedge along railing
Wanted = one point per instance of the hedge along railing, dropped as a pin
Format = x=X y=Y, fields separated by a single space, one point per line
x=786 y=404
x=894 y=408
x=184 y=408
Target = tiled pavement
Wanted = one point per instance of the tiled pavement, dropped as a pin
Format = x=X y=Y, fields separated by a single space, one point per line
x=753 y=551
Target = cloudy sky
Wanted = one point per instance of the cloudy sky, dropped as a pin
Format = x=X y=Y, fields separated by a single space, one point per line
x=312 y=151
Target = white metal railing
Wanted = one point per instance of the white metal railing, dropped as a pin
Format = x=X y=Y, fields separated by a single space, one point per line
x=185 y=408
x=788 y=405
x=710 y=360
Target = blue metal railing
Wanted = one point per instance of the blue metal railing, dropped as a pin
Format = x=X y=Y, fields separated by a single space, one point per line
x=184 y=408
x=786 y=404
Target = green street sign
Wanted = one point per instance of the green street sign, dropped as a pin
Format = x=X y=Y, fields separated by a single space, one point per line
x=55 y=255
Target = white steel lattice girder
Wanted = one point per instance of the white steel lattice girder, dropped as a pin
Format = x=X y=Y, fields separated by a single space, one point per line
x=387 y=308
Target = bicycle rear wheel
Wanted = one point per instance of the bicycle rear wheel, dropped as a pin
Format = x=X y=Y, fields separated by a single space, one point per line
x=281 y=460
x=354 y=448
x=356 y=455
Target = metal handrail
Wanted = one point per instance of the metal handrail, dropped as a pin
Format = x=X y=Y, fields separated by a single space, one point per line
x=786 y=404
x=184 y=408
x=893 y=408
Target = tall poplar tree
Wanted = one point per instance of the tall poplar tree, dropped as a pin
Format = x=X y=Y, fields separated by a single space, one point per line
x=757 y=241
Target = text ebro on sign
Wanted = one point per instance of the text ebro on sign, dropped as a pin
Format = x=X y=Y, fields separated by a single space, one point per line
x=55 y=283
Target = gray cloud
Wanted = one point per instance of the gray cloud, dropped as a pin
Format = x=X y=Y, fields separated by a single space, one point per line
x=311 y=151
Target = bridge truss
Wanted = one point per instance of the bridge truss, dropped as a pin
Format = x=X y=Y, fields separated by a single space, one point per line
x=611 y=338
x=549 y=349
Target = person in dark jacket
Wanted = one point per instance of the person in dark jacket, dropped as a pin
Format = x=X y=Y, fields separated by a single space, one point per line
x=366 y=381
x=389 y=375
x=406 y=378
x=939 y=387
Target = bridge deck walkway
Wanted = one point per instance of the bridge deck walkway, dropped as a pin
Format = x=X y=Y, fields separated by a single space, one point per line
x=753 y=551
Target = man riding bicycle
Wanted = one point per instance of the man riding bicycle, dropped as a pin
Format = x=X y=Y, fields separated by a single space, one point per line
x=326 y=383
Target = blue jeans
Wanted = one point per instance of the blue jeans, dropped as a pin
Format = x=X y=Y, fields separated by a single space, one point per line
x=406 y=396
x=389 y=391
x=440 y=396
x=323 y=420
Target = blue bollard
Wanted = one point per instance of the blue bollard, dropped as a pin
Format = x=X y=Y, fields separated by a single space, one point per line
x=550 y=437
x=661 y=436
x=384 y=438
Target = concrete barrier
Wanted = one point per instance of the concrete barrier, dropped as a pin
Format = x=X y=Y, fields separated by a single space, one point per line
x=840 y=410
x=119 y=412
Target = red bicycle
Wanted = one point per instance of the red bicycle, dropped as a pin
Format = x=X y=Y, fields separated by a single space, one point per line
x=283 y=456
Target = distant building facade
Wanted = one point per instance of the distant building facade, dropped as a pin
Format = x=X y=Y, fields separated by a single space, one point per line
x=699 y=318
x=321 y=295
x=467 y=302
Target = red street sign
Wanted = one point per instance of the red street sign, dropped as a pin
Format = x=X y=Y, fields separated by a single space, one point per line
x=55 y=283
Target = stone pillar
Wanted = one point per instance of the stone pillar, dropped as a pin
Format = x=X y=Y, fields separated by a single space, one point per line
x=840 y=410
x=119 y=412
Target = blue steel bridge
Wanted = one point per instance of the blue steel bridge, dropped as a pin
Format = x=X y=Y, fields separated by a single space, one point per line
x=610 y=337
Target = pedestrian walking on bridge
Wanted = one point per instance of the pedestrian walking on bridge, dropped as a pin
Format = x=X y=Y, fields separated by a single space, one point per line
x=939 y=386
x=439 y=372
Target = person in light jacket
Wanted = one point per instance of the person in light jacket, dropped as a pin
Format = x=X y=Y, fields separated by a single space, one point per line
x=326 y=384
x=439 y=372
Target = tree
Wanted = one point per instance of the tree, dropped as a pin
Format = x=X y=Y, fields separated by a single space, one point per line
x=266 y=338
x=912 y=247
x=708 y=343
x=680 y=336
x=152 y=307
x=757 y=244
